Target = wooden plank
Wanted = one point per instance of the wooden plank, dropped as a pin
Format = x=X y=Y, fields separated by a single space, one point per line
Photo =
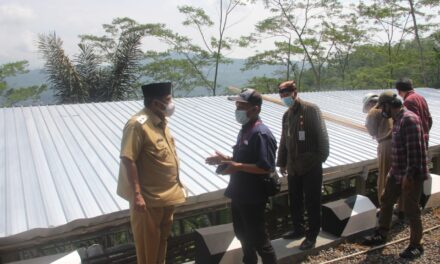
x=327 y=116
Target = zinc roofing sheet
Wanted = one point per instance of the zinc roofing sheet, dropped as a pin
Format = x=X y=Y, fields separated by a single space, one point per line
x=60 y=163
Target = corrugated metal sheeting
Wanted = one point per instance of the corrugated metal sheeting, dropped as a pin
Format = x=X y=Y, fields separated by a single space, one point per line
x=60 y=163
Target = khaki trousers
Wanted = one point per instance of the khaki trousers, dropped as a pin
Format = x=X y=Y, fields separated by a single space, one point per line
x=384 y=160
x=150 y=231
x=411 y=201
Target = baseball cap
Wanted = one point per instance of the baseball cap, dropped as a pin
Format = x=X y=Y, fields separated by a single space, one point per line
x=387 y=97
x=248 y=95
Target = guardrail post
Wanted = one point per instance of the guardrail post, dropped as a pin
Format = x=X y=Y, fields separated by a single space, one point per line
x=435 y=164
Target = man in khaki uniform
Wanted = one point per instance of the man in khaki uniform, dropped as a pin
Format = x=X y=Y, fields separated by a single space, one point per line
x=149 y=174
x=380 y=129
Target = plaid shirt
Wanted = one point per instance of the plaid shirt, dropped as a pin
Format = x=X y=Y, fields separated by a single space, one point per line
x=408 y=148
x=418 y=105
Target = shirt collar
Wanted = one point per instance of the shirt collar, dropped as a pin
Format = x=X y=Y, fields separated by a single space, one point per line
x=155 y=119
x=408 y=94
x=400 y=114
x=297 y=105
x=250 y=124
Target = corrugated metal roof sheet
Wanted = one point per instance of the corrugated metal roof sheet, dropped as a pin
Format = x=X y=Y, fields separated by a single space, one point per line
x=60 y=163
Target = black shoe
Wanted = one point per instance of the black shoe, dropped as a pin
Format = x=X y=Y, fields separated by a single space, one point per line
x=374 y=240
x=307 y=244
x=400 y=214
x=412 y=252
x=294 y=235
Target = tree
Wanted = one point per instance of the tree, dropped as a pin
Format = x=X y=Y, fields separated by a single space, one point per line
x=13 y=96
x=9 y=70
x=415 y=9
x=107 y=67
x=282 y=53
x=392 y=20
x=163 y=66
x=305 y=21
x=264 y=84
x=346 y=34
x=435 y=51
x=62 y=74
x=207 y=57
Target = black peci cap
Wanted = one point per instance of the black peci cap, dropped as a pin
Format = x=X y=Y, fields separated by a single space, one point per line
x=156 y=89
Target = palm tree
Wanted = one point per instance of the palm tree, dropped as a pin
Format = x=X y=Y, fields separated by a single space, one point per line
x=106 y=69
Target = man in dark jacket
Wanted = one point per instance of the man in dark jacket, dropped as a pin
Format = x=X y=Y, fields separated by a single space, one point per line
x=253 y=159
x=303 y=148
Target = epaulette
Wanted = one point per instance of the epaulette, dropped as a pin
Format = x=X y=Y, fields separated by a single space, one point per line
x=142 y=119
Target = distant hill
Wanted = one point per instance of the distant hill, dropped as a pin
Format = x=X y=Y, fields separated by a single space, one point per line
x=229 y=74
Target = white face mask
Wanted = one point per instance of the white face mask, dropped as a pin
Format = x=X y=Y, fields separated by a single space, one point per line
x=169 y=108
x=241 y=116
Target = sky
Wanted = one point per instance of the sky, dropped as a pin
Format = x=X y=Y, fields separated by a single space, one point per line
x=22 y=20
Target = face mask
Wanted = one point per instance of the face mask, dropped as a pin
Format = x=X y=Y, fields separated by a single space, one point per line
x=385 y=114
x=288 y=101
x=169 y=108
x=241 y=116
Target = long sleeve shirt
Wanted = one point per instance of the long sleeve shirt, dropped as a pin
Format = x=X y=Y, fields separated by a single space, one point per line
x=418 y=105
x=304 y=140
x=408 y=148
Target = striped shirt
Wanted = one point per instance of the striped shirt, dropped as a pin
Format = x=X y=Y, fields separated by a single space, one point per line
x=409 y=157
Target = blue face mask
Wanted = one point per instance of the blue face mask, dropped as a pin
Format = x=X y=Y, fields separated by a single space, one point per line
x=241 y=116
x=288 y=101
x=386 y=114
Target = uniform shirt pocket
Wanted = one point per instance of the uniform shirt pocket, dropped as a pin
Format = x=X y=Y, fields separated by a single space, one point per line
x=159 y=150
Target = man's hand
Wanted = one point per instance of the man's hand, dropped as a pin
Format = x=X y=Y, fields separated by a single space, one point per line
x=233 y=166
x=283 y=171
x=407 y=183
x=216 y=159
x=139 y=203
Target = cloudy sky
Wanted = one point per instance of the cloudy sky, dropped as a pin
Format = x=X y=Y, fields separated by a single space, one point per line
x=22 y=20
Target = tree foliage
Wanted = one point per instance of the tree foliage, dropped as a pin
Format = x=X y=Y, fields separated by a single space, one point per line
x=13 y=96
x=205 y=59
x=335 y=45
x=164 y=67
x=107 y=67
x=322 y=44
x=302 y=26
